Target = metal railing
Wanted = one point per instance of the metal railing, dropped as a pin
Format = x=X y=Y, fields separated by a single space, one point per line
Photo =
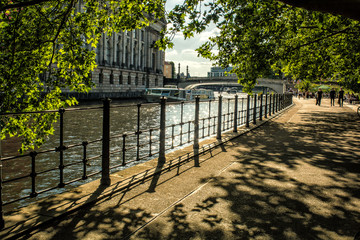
x=131 y=147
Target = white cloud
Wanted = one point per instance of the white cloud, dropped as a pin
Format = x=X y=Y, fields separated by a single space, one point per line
x=198 y=67
x=184 y=52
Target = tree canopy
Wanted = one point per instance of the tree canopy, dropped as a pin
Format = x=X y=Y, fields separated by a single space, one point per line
x=42 y=46
x=259 y=35
x=42 y=49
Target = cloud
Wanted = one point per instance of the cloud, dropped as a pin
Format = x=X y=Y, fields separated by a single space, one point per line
x=198 y=66
x=184 y=52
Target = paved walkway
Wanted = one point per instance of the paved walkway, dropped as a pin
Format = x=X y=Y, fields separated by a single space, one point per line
x=295 y=177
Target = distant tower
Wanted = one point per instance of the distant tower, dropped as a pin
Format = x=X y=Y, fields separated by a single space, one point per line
x=178 y=75
x=187 y=71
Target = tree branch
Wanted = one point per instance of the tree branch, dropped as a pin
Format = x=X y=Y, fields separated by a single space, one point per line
x=72 y=3
x=346 y=8
x=23 y=4
x=320 y=39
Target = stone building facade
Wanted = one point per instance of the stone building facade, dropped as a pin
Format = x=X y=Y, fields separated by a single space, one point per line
x=168 y=70
x=127 y=63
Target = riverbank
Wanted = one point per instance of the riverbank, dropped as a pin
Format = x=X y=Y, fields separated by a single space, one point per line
x=295 y=177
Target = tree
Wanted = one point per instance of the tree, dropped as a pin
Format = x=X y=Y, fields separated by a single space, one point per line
x=47 y=45
x=260 y=36
x=304 y=86
x=347 y=8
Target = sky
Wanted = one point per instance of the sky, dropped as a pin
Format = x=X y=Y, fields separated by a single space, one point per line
x=184 y=52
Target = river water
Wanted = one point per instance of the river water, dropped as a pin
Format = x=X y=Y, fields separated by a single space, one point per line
x=86 y=125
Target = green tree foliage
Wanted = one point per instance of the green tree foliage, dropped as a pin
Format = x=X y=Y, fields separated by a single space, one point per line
x=260 y=36
x=43 y=50
x=304 y=86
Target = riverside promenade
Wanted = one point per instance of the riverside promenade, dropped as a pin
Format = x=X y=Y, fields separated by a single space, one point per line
x=294 y=176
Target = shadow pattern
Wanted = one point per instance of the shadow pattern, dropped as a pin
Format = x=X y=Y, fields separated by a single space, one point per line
x=300 y=181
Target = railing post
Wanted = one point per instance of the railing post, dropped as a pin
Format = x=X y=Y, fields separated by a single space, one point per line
x=61 y=148
x=218 y=136
x=283 y=101
x=279 y=96
x=138 y=133
x=105 y=163
x=228 y=114
x=209 y=118
x=85 y=160
x=254 y=112
x=196 y=132
x=261 y=107
x=235 y=113
x=2 y=221
x=266 y=105
x=242 y=111
x=181 y=123
x=124 y=148
x=150 y=141
x=273 y=108
x=270 y=104
x=162 y=158
x=248 y=111
x=277 y=103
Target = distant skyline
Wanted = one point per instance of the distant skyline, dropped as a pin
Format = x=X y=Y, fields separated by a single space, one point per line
x=184 y=52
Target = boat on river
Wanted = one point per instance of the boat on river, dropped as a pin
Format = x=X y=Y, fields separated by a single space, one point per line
x=177 y=94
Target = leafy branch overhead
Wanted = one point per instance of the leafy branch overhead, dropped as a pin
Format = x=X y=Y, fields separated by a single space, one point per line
x=260 y=36
x=49 y=45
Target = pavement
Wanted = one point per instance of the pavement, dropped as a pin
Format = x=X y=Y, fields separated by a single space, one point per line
x=294 y=176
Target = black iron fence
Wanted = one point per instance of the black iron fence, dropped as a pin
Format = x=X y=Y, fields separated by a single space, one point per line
x=114 y=151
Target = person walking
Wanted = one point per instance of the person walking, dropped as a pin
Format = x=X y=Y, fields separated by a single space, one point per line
x=341 y=97
x=319 y=96
x=332 y=97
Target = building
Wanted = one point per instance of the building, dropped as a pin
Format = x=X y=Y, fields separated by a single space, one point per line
x=168 y=70
x=220 y=72
x=127 y=63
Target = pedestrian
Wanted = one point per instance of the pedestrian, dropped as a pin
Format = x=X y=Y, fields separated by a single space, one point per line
x=319 y=96
x=332 y=97
x=341 y=97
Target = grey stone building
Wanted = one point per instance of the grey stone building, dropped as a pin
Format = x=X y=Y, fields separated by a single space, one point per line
x=127 y=63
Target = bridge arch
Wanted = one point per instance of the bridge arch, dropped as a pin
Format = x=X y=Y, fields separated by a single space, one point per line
x=275 y=85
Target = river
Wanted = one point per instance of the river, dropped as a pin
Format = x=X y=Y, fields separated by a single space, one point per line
x=86 y=125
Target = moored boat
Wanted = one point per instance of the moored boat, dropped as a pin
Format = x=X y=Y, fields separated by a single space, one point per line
x=177 y=94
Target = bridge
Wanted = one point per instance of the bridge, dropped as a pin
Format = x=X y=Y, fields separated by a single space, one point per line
x=218 y=83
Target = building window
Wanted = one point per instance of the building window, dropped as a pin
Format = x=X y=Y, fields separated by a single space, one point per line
x=120 y=78
x=129 y=79
x=143 y=80
x=136 y=80
x=156 y=81
x=101 y=76
x=111 y=77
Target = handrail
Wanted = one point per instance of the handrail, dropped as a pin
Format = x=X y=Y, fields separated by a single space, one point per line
x=120 y=150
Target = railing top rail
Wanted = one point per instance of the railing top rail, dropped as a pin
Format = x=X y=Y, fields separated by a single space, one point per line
x=100 y=107
x=50 y=111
